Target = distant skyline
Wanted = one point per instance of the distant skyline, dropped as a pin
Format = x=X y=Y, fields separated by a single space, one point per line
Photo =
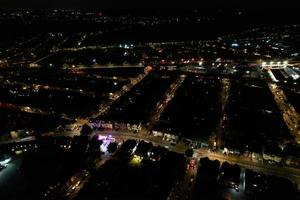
x=136 y=4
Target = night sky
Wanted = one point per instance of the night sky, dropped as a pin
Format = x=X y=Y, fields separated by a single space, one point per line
x=135 y=4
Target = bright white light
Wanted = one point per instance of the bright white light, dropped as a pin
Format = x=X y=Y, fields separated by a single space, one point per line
x=278 y=63
x=225 y=150
x=264 y=64
x=103 y=147
x=271 y=63
x=6 y=161
x=285 y=62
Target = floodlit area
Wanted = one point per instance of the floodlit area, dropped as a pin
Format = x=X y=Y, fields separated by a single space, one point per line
x=136 y=160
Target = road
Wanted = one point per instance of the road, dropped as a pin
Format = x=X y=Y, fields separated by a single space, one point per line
x=78 y=181
x=289 y=114
x=39 y=60
x=183 y=190
x=26 y=139
x=32 y=110
x=282 y=171
x=41 y=86
x=165 y=100
x=224 y=97
x=113 y=98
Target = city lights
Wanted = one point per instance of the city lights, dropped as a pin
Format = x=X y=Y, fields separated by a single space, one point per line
x=274 y=64
x=149 y=103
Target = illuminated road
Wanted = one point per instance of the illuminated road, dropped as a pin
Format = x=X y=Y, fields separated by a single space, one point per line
x=32 y=110
x=44 y=87
x=26 y=139
x=183 y=190
x=289 y=114
x=224 y=97
x=78 y=181
x=98 y=66
x=282 y=171
x=291 y=173
x=75 y=184
x=39 y=60
x=114 y=97
x=163 y=103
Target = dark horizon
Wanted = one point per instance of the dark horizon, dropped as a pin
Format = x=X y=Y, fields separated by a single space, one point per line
x=136 y=5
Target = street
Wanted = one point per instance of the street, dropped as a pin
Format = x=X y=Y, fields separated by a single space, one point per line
x=289 y=114
x=163 y=103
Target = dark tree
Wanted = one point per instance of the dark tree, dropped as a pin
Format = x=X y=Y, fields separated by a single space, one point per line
x=143 y=148
x=86 y=130
x=95 y=144
x=79 y=144
x=112 y=147
x=127 y=146
x=189 y=152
